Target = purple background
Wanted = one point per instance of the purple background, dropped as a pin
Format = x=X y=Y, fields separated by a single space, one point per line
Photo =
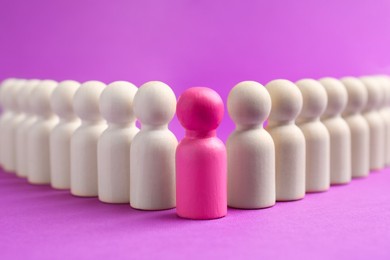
x=347 y=222
x=192 y=43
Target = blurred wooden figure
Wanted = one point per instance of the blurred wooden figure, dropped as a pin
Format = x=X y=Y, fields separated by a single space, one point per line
x=39 y=135
x=62 y=104
x=116 y=106
x=7 y=113
x=20 y=135
x=375 y=122
x=340 y=134
x=9 y=128
x=288 y=138
x=316 y=135
x=384 y=111
x=24 y=130
x=83 y=144
x=360 y=133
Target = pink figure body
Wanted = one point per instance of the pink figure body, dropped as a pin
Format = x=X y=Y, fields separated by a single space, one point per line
x=201 y=171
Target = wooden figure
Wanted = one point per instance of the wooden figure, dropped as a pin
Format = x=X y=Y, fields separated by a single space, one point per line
x=62 y=105
x=250 y=149
x=375 y=122
x=288 y=138
x=360 y=135
x=6 y=114
x=201 y=164
x=152 y=163
x=384 y=111
x=24 y=130
x=9 y=128
x=20 y=137
x=340 y=134
x=83 y=144
x=116 y=106
x=38 y=139
x=316 y=135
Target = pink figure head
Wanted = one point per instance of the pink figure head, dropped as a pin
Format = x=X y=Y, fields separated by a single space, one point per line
x=200 y=109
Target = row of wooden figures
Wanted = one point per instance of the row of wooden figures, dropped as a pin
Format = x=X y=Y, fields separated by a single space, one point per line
x=83 y=137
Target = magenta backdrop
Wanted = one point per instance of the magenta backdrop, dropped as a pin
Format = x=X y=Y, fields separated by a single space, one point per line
x=191 y=43
x=349 y=222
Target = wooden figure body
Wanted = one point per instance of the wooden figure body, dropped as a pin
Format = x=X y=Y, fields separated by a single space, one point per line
x=384 y=111
x=7 y=113
x=38 y=139
x=375 y=122
x=250 y=149
x=20 y=137
x=339 y=132
x=83 y=144
x=9 y=128
x=116 y=106
x=152 y=157
x=201 y=164
x=288 y=138
x=62 y=104
x=316 y=134
x=360 y=133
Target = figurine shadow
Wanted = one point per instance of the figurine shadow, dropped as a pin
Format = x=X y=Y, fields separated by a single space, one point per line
x=30 y=199
x=34 y=198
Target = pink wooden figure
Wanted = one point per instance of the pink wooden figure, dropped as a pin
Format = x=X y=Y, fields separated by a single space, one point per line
x=201 y=170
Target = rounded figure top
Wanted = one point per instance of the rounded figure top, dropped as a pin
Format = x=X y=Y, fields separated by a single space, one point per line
x=6 y=85
x=40 y=97
x=337 y=96
x=154 y=103
x=200 y=109
x=357 y=95
x=374 y=93
x=14 y=93
x=249 y=103
x=25 y=94
x=86 y=100
x=62 y=99
x=286 y=100
x=116 y=102
x=384 y=83
x=314 y=97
